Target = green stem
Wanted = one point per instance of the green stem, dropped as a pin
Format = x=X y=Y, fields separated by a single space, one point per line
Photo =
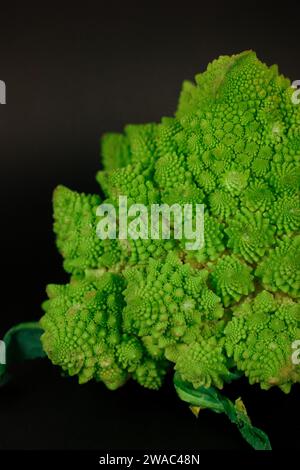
x=212 y=399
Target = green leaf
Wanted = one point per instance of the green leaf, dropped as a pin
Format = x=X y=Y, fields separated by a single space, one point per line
x=212 y=399
x=22 y=342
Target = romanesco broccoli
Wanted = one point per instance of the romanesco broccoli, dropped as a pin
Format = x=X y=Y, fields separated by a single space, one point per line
x=135 y=307
x=138 y=307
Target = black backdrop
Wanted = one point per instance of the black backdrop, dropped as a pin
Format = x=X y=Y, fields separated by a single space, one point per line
x=73 y=73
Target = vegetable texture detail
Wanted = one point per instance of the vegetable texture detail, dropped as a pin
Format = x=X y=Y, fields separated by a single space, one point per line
x=136 y=308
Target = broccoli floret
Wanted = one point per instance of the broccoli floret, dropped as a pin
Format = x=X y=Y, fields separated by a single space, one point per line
x=84 y=334
x=260 y=337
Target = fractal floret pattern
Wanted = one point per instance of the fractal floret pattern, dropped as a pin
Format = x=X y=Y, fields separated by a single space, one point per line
x=135 y=308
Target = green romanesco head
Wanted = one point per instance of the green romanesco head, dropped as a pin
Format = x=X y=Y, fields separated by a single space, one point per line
x=84 y=334
x=260 y=338
x=134 y=307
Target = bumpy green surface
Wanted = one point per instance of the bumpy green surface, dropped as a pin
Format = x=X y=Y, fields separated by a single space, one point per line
x=134 y=308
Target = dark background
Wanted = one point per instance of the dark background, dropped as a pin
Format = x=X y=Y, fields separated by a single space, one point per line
x=73 y=73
